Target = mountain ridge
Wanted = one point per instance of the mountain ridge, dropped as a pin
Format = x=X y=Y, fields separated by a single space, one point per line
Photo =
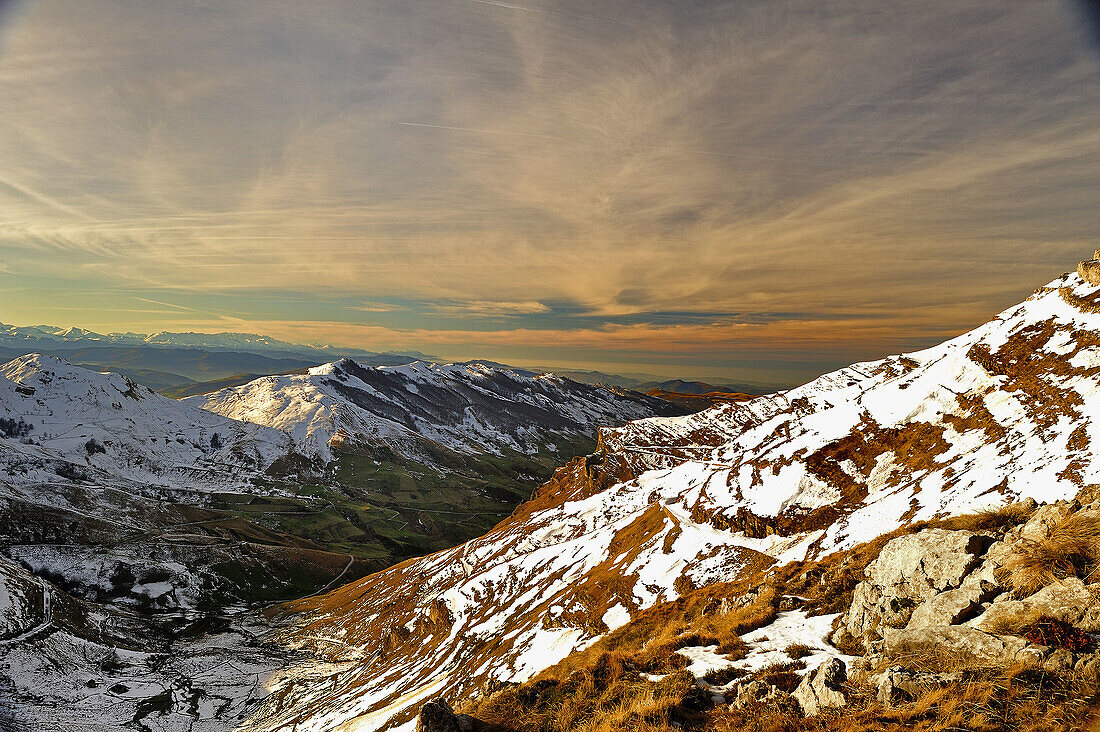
x=1002 y=412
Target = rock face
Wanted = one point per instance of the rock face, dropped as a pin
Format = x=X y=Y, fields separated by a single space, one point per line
x=909 y=571
x=898 y=685
x=822 y=688
x=959 y=644
x=1069 y=600
x=437 y=716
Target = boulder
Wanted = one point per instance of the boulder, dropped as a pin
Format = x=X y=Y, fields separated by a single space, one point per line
x=1089 y=271
x=908 y=571
x=1069 y=600
x=948 y=608
x=760 y=693
x=1060 y=661
x=437 y=716
x=1043 y=520
x=822 y=688
x=959 y=644
x=898 y=685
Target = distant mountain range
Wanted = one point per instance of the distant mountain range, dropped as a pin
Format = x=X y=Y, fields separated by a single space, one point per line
x=34 y=338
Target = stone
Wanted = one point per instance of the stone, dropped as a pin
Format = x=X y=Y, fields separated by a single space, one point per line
x=760 y=693
x=964 y=645
x=1060 y=660
x=1088 y=668
x=822 y=688
x=1089 y=271
x=437 y=716
x=909 y=570
x=948 y=608
x=898 y=685
x=1069 y=600
x=1043 y=520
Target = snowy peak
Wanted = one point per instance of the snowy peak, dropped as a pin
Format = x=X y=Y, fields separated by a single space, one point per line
x=465 y=408
x=54 y=416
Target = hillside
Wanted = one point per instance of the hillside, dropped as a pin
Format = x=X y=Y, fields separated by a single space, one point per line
x=670 y=505
x=107 y=426
x=420 y=409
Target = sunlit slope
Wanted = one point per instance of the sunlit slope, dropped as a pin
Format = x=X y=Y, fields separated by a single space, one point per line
x=1002 y=412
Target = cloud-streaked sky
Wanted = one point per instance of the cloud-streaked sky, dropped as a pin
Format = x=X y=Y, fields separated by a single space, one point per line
x=744 y=189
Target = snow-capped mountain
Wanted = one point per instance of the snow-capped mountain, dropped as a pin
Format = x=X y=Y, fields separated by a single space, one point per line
x=60 y=419
x=465 y=408
x=1005 y=411
x=47 y=337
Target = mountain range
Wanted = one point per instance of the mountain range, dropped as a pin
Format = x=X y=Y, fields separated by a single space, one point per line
x=140 y=535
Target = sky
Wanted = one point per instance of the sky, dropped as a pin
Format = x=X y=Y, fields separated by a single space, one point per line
x=745 y=190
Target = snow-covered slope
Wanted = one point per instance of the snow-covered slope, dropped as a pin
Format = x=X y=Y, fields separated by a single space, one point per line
x=58 y=417
x=470 y=408
x=1004 y=411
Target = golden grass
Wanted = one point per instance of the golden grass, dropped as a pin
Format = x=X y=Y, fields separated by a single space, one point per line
x=603 y=689
x=1070 y=549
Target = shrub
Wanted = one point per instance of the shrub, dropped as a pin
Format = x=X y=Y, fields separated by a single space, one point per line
x=1071 y=549
x=798 y=650
x=1048 y=631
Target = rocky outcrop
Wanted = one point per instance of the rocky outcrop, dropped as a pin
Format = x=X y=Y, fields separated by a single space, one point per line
x=958 y=645
x=909 y=571
x=898 y=684
x=822 y=688
x=1069 y=600
x=437 y=716
x=1089 y=270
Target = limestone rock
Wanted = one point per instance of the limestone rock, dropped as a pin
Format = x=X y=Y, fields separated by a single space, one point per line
x=760 y=693
x=437 y=716
x=1046 y=517
x=822 y=688
x=1069 y=600
x=948 y=608
x=1089 y=271
x=1060 y=660
x=958 y=643
x=898 y=685
x=908 y=571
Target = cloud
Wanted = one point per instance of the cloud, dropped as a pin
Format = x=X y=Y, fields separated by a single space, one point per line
x=491 y=308
x=484 y=159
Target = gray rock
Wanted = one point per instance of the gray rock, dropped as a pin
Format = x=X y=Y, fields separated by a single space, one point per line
x=437 y=716
x=760 y=693
x=1060 y=660
x=1070 y=600
x=822 y=688
x=898 y=685
x=948 y=608
x=960 y=644
x=908 y=571
x=1043 y=520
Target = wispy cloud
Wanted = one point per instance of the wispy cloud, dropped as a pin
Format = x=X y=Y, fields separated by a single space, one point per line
x=485 y=160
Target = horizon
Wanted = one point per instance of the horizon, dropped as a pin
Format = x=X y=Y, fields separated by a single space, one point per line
x=730 y=191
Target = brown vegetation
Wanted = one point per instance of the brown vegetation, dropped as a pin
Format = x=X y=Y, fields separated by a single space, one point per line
x=1071 y=549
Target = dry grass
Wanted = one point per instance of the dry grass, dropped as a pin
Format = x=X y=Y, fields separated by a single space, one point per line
x=603 y=689
x=798 y=650
x=1015 y=699
x=1071 y=549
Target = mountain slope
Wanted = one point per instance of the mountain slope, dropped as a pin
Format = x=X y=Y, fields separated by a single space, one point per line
x=53 y=414
x=1004 y=411
x=466 y=409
